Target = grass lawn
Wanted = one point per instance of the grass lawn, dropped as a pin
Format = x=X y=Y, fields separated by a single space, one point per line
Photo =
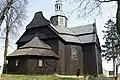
x=28 y=77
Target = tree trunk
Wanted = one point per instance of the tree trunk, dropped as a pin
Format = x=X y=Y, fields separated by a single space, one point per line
x=5 y=11
x=118 y=17
x=6 y=49
x=113 y=67
x=116 y=72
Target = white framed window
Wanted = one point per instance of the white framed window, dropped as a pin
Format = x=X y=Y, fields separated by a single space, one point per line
x=40 y=63
x=16 y=63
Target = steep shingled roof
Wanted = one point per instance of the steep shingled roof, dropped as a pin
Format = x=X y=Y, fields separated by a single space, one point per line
x=38 y=21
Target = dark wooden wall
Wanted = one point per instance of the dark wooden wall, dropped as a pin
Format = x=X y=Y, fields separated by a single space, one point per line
x=67 y=64
x=42 y=32
x=49 y=66
x=53 y=43
x=30 y=65
x=99 y=60
x=90 y=59
x=72 y=64
x=61 y=53
x=22 y=67
x=58 y=47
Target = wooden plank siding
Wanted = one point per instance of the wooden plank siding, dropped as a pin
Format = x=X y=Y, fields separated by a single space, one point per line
x=30 y=65
x=90 y=59
x=22 y=67
x=71 y=65
x=98 y=59
x=62 y=57
x=53 y=43
x=49 y=66
x=66 y=65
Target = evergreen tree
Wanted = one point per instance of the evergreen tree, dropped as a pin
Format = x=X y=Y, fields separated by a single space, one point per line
x=111 y=46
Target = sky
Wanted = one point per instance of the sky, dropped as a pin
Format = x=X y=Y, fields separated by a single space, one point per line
x=47 y=8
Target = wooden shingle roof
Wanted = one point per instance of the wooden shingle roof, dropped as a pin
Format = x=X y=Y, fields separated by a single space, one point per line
x=63 y=30
x=84 y=29
x=86 y=33
x=33 y=51
x=36 y=43
x=35 y=47
x=38 y=21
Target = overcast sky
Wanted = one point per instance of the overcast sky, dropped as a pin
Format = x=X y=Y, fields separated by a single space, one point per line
x=47 y=7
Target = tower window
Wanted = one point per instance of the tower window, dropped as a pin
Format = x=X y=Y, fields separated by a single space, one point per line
x=59 y=7
x=61 y=21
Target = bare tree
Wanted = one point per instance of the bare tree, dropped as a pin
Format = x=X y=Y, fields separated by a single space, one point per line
x=89 y=7
x=14 y=20
x=6 y=5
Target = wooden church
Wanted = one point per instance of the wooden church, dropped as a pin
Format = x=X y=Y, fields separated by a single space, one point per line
x=49 y=47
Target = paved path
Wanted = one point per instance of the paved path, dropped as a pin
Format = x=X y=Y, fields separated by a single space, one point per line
x=102 y=78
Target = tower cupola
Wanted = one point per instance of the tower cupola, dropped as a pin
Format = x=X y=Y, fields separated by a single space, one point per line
x=59 y=19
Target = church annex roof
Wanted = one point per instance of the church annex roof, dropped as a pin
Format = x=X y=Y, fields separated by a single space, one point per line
x=36 y=43
x=35 y=47
x=33 y=51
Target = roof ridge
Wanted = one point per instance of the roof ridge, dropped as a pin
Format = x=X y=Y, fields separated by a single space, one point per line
x=35 y=47
x=72 y=31
x=56 y=29
x=81 y=25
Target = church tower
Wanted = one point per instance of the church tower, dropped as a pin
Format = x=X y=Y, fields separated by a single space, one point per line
x=59 y=19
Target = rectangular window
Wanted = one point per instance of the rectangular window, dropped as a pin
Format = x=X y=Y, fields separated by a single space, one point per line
x=6 y=61
x=40 y=63
x=16 y=63
x=73 y=53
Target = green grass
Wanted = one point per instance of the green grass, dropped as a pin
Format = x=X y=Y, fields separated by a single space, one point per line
x=29 y=77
